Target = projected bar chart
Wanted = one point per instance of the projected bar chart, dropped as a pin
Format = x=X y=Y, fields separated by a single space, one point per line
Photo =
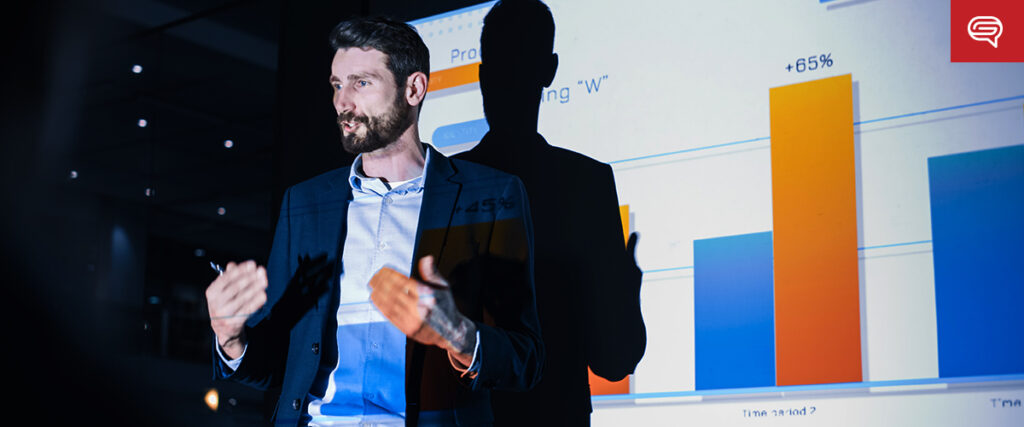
x=977 y=206
x=807 y=240
x=733 y=312
x=814 y=199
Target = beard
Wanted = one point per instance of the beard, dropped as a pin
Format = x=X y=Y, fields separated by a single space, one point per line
x=380 y=131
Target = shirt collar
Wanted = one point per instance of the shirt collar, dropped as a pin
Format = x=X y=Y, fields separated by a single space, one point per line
x=362 y=183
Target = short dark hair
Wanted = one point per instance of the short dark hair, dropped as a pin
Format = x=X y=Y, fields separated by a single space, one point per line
x=401 y=44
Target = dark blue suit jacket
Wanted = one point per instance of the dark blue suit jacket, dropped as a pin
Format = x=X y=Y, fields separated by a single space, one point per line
x=475 y=221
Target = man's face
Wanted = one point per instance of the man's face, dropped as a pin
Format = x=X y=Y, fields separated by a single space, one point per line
x=372 y=110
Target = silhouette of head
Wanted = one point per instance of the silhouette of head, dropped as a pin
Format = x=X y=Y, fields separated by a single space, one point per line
x=517 y=62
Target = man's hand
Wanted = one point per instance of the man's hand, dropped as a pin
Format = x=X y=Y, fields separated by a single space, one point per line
x=424 y=311
x=231 y=298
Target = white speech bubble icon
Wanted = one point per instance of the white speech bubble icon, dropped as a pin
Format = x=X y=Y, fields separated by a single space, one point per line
x=985 y=29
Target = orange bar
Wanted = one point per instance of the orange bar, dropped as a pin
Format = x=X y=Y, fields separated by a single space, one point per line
x=600 y=386
x=814 y=197
x=624 y=216
x=455 y=76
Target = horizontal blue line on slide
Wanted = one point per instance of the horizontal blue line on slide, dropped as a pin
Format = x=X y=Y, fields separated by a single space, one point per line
x=891 y=245
x=763 y=138
x=459 y=133
x=452 y=13
x=812 y=387
x=919 y=242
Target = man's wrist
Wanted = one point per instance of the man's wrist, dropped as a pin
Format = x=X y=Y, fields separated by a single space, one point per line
x=464 y=343
x=232 y=346
x=467 y=365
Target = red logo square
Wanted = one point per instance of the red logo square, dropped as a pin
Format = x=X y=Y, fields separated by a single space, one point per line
x=986 y=31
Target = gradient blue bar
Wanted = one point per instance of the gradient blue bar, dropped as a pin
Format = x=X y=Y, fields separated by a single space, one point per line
x=734 y=310
x=977 y=203
x=459 y=133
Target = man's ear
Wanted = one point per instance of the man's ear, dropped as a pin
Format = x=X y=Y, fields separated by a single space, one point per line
x=415 y=88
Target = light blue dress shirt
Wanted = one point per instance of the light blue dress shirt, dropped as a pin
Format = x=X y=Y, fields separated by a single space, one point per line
x=367 y=387
x=368 y=383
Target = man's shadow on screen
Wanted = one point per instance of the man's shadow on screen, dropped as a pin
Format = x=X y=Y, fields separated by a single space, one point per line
x=587 y=280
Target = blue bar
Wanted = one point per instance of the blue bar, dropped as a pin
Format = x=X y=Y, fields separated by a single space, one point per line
x=734 y=311
x=977 y=203
x=459 y=133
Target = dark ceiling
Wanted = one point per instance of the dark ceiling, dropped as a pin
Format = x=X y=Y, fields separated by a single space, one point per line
x=208 y=75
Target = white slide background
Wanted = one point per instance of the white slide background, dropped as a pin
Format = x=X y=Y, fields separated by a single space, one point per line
x=681 y=114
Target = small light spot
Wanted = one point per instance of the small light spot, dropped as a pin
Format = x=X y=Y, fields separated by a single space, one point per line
x=149 y=192
x=221 y=211
x=137 y=69
x=212 y=399
x=154 y=300
x=229 y=143
x=73 y=174
x=199 y=252
x=143 y=123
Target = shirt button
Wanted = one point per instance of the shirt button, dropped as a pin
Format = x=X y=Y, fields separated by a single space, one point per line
x=316 y=348
x=295 y=404
x=388 y=200
x=382 y=245
x=369 y=395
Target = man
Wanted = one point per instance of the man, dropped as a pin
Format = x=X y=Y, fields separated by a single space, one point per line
x=350 y=332
x=587 y=281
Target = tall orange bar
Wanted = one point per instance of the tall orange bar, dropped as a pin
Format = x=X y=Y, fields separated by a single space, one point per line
x=814 y=197
x=600 y=386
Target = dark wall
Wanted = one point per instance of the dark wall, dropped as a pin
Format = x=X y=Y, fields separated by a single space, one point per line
x=103 y=291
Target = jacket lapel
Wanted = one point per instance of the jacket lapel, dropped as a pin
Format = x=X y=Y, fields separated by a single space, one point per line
x=440 y=195
x=332 y=225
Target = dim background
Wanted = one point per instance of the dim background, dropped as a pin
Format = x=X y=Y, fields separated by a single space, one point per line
x=142 y=140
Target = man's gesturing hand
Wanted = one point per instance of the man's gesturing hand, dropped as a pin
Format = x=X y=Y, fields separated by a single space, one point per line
x=231 y=298
x=424 y=311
